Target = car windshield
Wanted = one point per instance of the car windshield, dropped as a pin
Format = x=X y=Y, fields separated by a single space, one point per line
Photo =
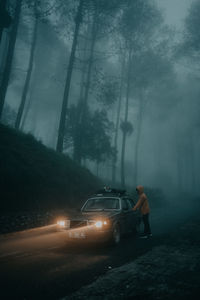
x=101 y=204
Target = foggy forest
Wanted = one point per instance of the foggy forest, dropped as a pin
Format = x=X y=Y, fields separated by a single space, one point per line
x=112 y=84
x=99 y=149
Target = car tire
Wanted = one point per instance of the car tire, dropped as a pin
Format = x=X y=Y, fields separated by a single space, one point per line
x=116 y=235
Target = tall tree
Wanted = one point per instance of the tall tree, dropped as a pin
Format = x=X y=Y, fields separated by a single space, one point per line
x=5 y=18
x=126 y=126
x=189 y=50
x=38 y=12
x=117 y=123
x=101 y=15
x=96 y=136
x=10 y=54
x=84 y=99
x=151 y=70
x=29 y=71
x=191 y=43
x=137 y=24
x=77 y=133
x=109 y=95
x=61 y=130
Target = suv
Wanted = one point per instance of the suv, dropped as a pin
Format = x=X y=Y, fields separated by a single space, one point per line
x=106 y=216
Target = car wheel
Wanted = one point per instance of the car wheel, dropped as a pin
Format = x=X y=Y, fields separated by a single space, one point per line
x=116 y=234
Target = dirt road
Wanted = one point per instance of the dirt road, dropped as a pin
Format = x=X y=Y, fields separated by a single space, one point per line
x=40 y=264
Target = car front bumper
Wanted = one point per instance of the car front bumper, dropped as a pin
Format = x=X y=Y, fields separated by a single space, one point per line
x=89 y=234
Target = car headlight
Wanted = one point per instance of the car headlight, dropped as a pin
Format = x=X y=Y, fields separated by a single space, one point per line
x=61 y=223
x=99 y=224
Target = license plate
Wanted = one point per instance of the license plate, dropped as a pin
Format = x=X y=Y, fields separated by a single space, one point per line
x=77 y=235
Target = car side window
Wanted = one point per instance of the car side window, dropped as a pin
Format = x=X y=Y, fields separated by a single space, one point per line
x=131 y=203
x=124 y=204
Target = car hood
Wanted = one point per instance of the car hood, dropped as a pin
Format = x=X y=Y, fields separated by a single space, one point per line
x=92 y=215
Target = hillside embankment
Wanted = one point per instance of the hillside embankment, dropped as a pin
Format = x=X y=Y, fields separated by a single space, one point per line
x=34 y=178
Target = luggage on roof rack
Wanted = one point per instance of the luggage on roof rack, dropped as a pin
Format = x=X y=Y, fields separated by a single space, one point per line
x=108 y=190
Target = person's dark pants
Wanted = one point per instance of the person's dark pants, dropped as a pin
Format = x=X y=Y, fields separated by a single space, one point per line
x=147 y=229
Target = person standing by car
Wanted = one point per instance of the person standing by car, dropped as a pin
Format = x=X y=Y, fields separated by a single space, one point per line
x=143 y=205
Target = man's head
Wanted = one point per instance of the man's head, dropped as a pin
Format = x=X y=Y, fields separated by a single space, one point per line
x=140 y=189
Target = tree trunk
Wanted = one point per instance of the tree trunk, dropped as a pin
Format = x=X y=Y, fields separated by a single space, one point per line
x=61 y=130
x=28 y=76
x=83 y=104
x=2 y=9
x=89 y=72
x=192 y=164
x=125 y=120
x=26 y=109
x=122 y=160
x=114 y=161
x=179 y=169
x=10 y=54
x=178 y=157
x=76 y=153
x=3 y=53
x=97 y=170
x=5 y=19
x=138 y=136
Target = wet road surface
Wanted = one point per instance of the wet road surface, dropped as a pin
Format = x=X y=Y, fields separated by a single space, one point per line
x=42 y=264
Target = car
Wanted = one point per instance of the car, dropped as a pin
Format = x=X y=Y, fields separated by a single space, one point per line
x=106 y=216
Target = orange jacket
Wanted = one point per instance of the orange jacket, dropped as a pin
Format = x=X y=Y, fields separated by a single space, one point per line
x=142 y=203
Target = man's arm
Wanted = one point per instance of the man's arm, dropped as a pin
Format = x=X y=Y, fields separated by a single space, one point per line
x=138 y=204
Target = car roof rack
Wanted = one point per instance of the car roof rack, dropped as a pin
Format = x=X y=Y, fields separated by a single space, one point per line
x=110 y=191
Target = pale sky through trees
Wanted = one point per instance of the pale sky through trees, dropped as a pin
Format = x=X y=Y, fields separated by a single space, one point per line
x=175 y=11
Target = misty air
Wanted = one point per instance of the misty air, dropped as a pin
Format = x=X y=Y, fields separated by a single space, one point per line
x=99 y=149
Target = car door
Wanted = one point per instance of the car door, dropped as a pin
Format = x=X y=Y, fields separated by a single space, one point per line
x=134 y=216
x=127 y=215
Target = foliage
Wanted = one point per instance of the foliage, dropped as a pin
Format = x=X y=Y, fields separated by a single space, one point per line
x=192 y=24
x=126 y=127
x=150 y=69
x=100 y=127
x=94 y=134
x=138 y=22
x=108 y=91
x=35 y=177
x=103 y=10
x=41 y=8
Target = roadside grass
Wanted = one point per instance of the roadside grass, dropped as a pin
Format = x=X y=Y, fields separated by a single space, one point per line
x=33 y=176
